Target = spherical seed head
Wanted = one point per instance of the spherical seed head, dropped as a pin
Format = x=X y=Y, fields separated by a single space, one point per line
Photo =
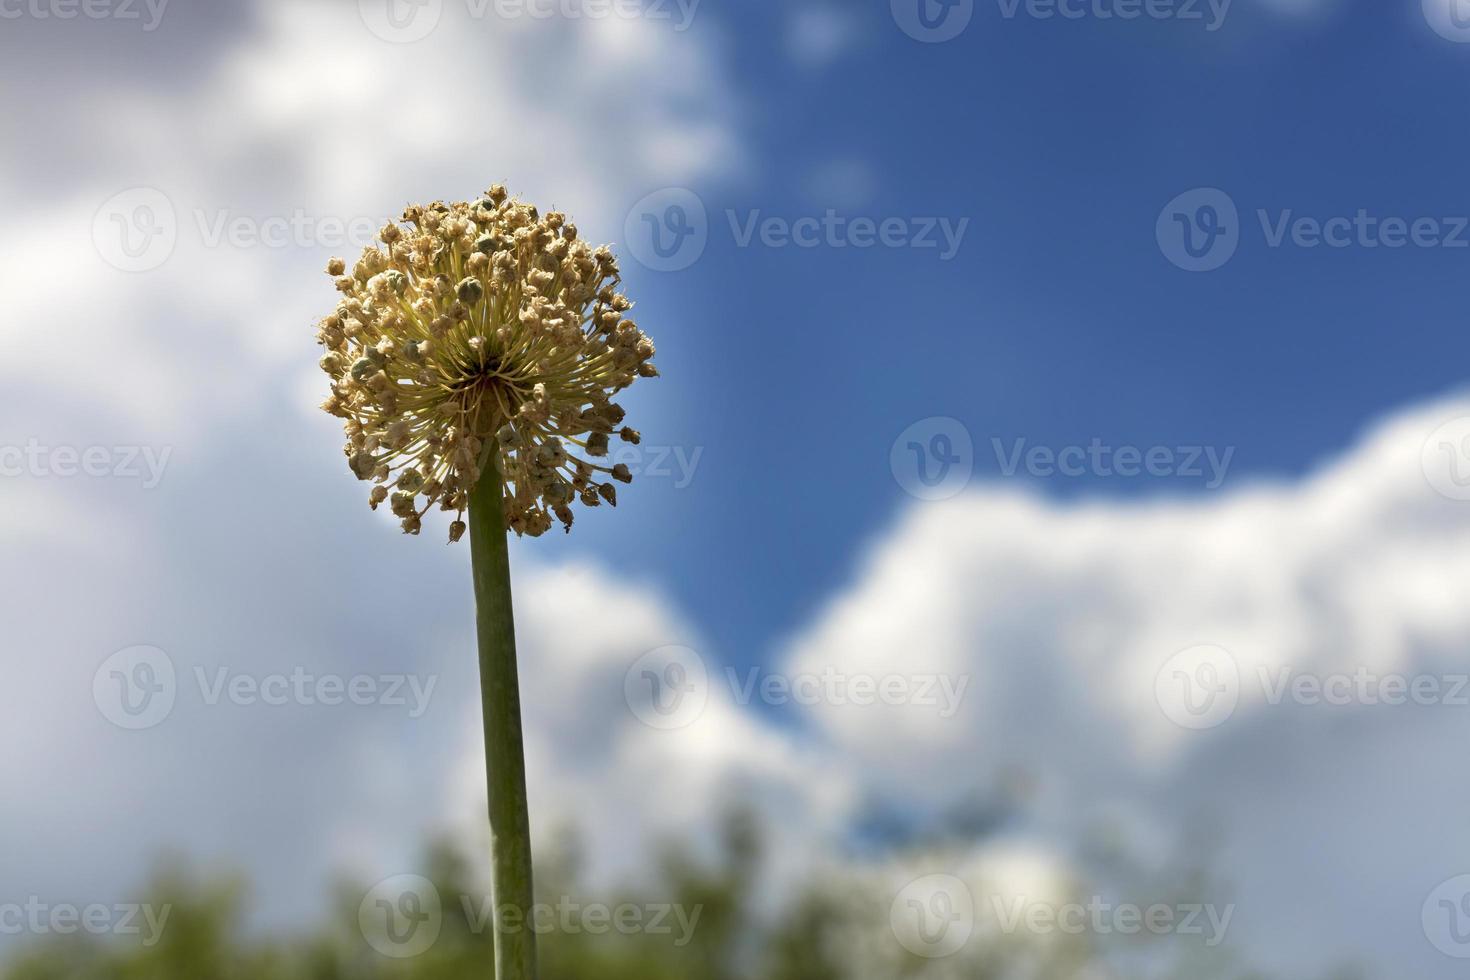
x=482 y=325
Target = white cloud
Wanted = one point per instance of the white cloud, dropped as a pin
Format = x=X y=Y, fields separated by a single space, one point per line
x=307 y=117
x=297 y=109
x=1063 y=614
x=623 y=785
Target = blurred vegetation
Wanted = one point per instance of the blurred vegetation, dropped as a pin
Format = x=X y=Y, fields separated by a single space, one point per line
x=833 y=928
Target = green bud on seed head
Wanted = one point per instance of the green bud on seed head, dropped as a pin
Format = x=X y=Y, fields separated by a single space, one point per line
x=470 y=291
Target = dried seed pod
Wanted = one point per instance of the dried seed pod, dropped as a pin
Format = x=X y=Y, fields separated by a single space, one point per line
x=482 y=324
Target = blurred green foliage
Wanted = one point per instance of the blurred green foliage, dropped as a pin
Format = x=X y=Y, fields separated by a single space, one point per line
x=834 y=928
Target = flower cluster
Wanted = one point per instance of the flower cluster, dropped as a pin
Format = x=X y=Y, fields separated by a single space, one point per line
x=483 y=327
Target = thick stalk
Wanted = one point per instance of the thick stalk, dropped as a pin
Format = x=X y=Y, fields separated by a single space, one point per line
x=505 y=762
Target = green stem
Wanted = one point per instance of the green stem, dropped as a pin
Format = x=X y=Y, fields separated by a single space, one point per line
x=505 y=761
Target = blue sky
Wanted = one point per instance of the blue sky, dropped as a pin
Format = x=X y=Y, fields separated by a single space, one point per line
x=1059 y=319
